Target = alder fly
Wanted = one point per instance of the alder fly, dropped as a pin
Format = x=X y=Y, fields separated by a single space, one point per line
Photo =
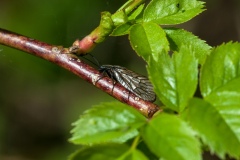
x=137 y=84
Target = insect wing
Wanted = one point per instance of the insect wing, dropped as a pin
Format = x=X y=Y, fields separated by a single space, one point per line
x=138 y=84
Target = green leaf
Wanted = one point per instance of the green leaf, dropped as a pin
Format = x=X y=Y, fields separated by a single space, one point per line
x=122 y=29
x=218 y=126
x=133 y=154
x=108 y=152
x=100 y=152
x=172 y=11
x=119 y=18
x=108 y=122
x=221 y=67
x=171 y=138
x=174 y=78
x=227 y=95
x=136 y=12
x=148 y=39
x=137 y=155
x=178 y=37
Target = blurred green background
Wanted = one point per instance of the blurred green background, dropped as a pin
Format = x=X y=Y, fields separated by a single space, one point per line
x=39 y=100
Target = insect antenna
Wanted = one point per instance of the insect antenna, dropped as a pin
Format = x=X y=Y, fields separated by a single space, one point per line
x=101 y=69
x=95 y=59
x=97 y=62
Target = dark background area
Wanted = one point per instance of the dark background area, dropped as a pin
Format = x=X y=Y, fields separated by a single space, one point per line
x=39 y=100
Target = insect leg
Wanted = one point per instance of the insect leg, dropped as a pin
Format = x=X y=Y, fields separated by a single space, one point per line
x=114 y=82
x=102 y=75
x=128 y=95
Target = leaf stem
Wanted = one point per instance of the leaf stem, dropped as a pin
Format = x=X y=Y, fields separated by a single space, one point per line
x=135 y=143
x=107 y=24
x=130 y=6
x=133 y=146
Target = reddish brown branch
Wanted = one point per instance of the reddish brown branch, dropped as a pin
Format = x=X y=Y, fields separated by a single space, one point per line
x=61 y=56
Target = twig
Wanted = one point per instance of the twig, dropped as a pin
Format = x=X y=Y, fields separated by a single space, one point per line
x=62 y=57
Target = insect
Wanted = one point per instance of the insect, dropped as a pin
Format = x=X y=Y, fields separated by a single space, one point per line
x=137 y=84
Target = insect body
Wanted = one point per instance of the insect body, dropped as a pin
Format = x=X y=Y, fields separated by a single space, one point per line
x=137 y=84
